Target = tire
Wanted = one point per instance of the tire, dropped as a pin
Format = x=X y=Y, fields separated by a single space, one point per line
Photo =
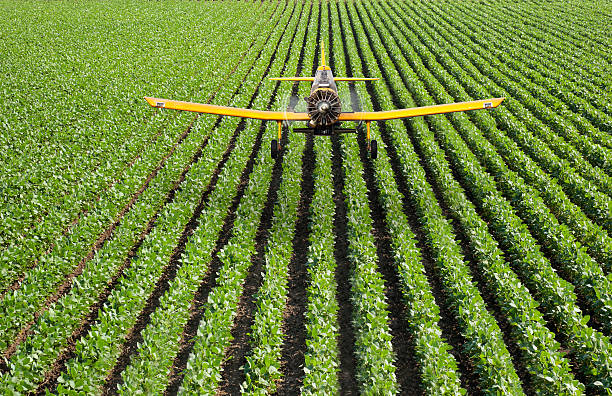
x=273 y=149
x=373 y=149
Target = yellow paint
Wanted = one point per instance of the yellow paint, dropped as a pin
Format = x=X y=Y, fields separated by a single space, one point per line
x=355 y=79
x=292 y=78
x=368 y=132
x=292 y=116
x=323 y=65
x=227 y=111
x=421 y=111
x=280 y=131
x=322 y=53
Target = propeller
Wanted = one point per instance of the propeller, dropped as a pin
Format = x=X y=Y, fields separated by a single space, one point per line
x=323 y=106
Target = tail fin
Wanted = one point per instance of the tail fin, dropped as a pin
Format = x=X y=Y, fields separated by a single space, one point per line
x=323 y=53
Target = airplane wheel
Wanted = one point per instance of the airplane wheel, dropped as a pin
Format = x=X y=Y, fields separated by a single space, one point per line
x=274 y=149
x=373 y=149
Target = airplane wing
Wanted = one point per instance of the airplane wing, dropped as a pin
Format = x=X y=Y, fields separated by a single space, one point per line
x=312 y=79
x=227 y=111
x=421 y=111
x=355 y=79
x=292 y=78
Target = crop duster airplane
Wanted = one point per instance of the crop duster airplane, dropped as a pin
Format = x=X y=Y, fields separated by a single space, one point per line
x=323 y=109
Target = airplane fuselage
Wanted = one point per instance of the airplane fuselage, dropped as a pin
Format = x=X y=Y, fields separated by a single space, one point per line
x=323 y=103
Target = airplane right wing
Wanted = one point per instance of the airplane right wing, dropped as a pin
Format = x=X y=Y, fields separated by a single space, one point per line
x=312 y=79
x=421 y=111
x=355 y=79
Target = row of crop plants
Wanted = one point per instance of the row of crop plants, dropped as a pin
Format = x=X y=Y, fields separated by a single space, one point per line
x=519 y=126
x=19 y=307
x=589 y=233
x=563 y=40
x=148 y=372
x=51 y=330
x=376 y=369
x=32 y=247
x=267 y=333
x=438 y=367
x=556 y=296
x=484 y=343
x=540 y=351
x=321 y=358
x=97 y=353
x=92 y=156
x=582 y=90
x=561 y=245
x=525 y=84
x=554 y=77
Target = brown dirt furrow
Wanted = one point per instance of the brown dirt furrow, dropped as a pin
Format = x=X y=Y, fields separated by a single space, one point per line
x=210 y=281
x=236 y=353
x=294 y=327
x=451 y=330
x=408 y=376
x=346 y=336
x=134 y=337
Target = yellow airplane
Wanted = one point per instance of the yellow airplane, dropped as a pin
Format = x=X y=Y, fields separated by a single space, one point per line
x=323 y=109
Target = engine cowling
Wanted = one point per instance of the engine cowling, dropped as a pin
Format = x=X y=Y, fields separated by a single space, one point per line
x=324 y=107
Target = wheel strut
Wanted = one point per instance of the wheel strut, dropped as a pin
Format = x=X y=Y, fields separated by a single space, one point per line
x=275 y=145
x=372 y=146
x=280 y=131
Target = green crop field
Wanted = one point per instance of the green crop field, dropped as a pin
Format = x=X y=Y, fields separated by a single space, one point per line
x=150 y=251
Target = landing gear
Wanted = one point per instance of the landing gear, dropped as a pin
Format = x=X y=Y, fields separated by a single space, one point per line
x=372 y=145
x=275 y=144
x=373 y=149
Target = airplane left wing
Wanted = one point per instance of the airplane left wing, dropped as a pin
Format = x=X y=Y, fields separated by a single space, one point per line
x=227 y=111
x=421 y=111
